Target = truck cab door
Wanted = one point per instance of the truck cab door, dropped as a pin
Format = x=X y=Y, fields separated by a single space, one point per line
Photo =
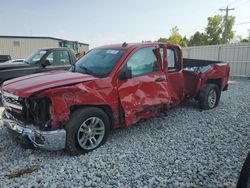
x=172 y=65
x=145 y=92
x=56 y=60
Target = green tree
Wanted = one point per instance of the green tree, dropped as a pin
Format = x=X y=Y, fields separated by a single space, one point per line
x=213 y=33
x=184 y=42
x=175 y=38
x=214 y=30
x=163 y=40
x=248 y=34
x=230 y=23
x=244 y=40
x=198 y=39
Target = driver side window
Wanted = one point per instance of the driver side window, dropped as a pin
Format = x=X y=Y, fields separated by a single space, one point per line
x=143 y=62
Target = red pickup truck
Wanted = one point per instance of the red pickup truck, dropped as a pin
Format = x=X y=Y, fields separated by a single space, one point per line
x=110 y=87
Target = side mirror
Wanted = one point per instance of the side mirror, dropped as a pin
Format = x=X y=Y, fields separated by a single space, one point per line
x=45 y=63
x=125 y=73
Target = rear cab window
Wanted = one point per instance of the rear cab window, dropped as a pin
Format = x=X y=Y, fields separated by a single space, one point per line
x=143 y=62
x=172 y=59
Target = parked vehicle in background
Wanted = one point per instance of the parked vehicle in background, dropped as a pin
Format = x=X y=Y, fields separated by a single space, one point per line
x=73 y=45
x=7 y=58
x=4 y=58
x=42 y=60
x=111 y=86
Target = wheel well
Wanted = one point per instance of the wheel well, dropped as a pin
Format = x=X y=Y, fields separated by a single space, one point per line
x=105 y=108
x=211 y=81
x=215 y=81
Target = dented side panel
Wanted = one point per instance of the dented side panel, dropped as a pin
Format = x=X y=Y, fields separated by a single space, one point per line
x=83 y=94
x=144 y=96
x=140 y=96
x=175 y=81
x=217 y=71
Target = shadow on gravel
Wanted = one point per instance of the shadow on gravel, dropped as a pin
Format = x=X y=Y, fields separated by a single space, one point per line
x=190 y=104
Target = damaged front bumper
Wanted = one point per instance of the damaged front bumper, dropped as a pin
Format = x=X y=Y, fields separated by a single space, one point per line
x=48 y=140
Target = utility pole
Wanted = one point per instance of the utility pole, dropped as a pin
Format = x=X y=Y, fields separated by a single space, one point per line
x=225 y=23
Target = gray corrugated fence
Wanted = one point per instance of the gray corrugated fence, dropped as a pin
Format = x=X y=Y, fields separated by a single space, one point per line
x=237 y=55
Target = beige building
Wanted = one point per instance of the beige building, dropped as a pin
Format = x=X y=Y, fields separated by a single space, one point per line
x=20 y=47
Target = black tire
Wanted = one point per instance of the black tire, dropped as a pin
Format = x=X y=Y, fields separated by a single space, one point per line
x=78 y=118
x=209 y=98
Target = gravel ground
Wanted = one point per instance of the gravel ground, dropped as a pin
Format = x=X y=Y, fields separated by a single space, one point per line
x=186 y=148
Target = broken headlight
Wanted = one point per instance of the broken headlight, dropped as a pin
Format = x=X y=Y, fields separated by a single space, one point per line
x=38 y=111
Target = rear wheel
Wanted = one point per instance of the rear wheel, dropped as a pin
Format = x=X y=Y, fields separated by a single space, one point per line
x=87 y=129
x=209 y=97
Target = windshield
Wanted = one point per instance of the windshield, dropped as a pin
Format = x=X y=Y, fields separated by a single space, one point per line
x=36 y=57
x=98 y=62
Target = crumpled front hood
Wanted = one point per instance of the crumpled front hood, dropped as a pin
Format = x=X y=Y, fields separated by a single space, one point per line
x=28 y=85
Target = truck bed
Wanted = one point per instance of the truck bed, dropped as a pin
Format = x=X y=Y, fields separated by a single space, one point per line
x=198 y=72
x=198 y=62
x=198 y=65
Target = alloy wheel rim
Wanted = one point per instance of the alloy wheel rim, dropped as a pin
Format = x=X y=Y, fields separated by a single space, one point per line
x=212 y=98
x=91 y=132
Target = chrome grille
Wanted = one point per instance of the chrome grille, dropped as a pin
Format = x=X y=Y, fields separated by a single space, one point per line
x=11 y=101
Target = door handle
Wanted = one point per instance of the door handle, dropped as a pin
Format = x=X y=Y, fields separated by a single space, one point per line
x=160 y=79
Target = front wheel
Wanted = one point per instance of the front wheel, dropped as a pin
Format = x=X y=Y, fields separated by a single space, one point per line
x=209 y=97
x=87 y=129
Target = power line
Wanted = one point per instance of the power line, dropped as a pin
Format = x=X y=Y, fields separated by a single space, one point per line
x=242 y=23
x=225 y=22
x=240 y=3
x=236 y=3
x=233 y=2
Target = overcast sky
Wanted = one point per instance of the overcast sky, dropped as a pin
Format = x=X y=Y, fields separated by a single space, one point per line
x=114 y=21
